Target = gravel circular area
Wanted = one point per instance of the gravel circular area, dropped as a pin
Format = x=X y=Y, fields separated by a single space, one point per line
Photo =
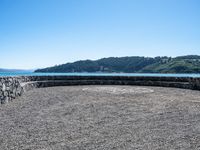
x=101 y=118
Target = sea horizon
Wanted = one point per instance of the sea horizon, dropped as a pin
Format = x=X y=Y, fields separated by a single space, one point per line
x=28 y=73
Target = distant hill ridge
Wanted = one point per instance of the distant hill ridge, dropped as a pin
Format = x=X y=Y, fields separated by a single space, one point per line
x=134 y=64
x=11 y=70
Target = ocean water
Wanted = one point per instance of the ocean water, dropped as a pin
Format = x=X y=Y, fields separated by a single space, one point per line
x=3 y=74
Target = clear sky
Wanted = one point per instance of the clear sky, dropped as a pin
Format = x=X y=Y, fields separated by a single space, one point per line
x=41 y=33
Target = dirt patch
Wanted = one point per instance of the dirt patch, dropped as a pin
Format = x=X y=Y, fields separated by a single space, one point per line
x=119 y=90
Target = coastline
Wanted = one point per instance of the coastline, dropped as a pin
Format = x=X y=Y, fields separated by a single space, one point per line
x=15 y=74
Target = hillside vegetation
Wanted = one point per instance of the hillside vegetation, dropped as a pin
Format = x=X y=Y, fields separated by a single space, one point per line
x=135 y=64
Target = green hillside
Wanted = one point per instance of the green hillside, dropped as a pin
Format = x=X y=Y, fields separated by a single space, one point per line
x=181 y=64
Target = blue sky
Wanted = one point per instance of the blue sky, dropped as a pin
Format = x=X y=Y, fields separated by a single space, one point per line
x=41 y=33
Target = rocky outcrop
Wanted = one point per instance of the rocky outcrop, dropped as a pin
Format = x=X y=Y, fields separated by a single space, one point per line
x=12 y=87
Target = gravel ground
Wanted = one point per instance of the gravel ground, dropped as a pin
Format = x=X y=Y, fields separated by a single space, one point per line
x=101 y=118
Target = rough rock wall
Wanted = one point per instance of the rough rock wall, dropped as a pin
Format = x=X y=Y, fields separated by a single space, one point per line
x=12 y=87
x=9 y=89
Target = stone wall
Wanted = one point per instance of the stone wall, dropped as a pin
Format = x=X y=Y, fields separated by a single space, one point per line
x=12 y=87
x=9 y=89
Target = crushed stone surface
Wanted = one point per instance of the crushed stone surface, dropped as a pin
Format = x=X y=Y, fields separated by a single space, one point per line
x=102 y=118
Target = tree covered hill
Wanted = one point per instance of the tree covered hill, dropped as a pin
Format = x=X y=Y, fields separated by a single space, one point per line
x=134 y=64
